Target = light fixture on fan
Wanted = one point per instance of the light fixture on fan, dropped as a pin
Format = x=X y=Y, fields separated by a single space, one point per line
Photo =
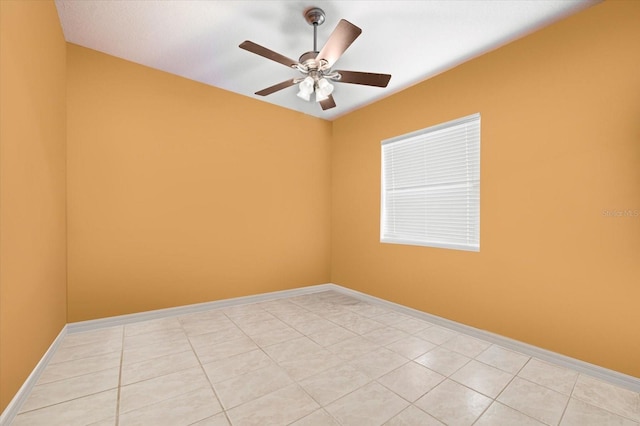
x=316 y=65
x=306 y=88
x=320 y=86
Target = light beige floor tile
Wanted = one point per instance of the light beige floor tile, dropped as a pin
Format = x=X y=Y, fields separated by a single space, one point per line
x=85 y=350
x=293 y=315
x=371 y=405
x=141 y=394
x=385 y=335
x=76 y=387
x=412 y=325
x=194 y=326
x=412 y=416
x=580 y=413
x=466 y=345
x=436 y=334
x=210 y=353
x=298 y=316
x=281 y=306
x=211 y=315
x=277 y=408
x=362 y=325
x=352 y=348
x=317 y=418
x=344 y=316
x=153 y=337
x=307 y=300
x=155 y=350
x=443 y=361
x=237 y=365
x=112 y=421
x=391 y=318
x=274 y=336
x=94 y=336
x=215 y=337
x=310 y=364
x=368 y=310
x=609 y=397
x=411 y=347
x=247 y=314
x=291 y=349
x=248 y=319
x=334 y=383
x=80 y=412
x=79 y=367
x=241 y=309
x=411 y=381
x=331 y=336
x=337 y=297
x=378 y=362
x=159 y=324
x=256 y=328
x=252 y=385
x=312 y=326
x=554 y=377
x=155 y=367
x=182 y=410
x=325 y=308
x=504 y=359
x=534 y=400
x=482 y=378
x=217 y=420
x=453 y=404
x=501 y=415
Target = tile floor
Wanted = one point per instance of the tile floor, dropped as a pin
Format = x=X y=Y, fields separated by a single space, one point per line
x=319 y=359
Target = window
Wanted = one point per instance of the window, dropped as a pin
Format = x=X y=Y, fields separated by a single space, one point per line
x=431 y=186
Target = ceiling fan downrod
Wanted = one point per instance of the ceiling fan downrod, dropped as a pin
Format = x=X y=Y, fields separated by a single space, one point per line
x=314 y=16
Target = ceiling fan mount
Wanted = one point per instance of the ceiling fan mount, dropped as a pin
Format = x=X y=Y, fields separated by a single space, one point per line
x=316 y=65
x=314 y=16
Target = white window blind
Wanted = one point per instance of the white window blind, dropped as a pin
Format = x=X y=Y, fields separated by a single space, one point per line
x=431 y=186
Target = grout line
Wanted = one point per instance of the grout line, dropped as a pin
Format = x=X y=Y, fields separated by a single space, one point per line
x=120 y=380
x=206 y=376
x=575 y=382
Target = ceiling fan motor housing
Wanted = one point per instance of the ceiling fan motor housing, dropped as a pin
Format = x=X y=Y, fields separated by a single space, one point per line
x=308 y=59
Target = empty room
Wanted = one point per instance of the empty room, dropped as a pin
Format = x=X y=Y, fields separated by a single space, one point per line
x=319 y=213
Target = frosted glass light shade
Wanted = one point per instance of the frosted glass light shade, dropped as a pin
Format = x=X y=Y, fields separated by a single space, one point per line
x=323 y=90
x=306 y=88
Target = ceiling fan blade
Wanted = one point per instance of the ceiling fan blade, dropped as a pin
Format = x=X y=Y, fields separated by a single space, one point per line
x=366 y=78
x=267 y=53
x=276 y=87
x=328 y=103
x=339 y=40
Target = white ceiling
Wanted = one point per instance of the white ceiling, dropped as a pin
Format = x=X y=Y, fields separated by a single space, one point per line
x=198 y=40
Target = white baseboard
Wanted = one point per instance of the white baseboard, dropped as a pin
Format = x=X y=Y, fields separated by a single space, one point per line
x=77 y=327
x=605 y=374
x=610 y=376
x=14 y=406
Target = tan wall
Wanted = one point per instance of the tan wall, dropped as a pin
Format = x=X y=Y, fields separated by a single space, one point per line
x=32 y=188
x=182 y=193
x=560 y=144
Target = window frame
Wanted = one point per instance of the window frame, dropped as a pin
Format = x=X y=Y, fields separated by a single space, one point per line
x=385 y=237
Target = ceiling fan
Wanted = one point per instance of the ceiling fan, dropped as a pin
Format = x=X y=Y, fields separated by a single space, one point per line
x=316 y=65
